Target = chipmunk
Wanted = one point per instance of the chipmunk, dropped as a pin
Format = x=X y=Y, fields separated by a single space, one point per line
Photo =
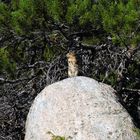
x=72 y=64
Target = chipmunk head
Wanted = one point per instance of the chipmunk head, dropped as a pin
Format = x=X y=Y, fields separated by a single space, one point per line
x=70 y=54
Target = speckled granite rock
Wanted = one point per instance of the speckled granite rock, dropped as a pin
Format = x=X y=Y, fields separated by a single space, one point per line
x=80 y=108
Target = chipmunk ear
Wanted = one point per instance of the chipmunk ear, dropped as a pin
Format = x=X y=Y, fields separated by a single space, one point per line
x=67 y=55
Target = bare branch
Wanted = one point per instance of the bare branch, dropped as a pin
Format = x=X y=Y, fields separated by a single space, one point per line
x=133 y=90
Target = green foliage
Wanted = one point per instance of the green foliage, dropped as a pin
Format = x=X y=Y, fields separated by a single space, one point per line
x=54 y=137
x=121 y=21
x=49 y=53
x=22 y=18
x=4 y=16
x=91 y=40
x=118 y=18
x=58 y=138
x=80 y=10
x=137 y=131
x=5 y=62
x=4 y=58
x=56 y=9
x=112 y=78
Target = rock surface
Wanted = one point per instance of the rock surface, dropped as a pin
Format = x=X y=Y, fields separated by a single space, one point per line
x=80 y=108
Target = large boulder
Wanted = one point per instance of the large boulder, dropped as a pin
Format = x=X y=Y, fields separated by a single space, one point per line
x=79 y=108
